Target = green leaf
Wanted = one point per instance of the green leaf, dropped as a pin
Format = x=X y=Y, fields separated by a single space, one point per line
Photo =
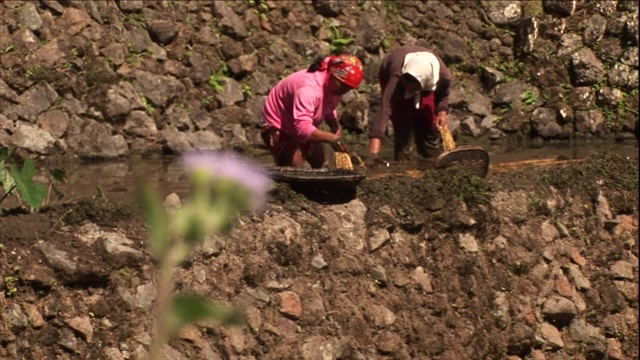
x=31 y=192
x=186 y=309
x=342 y=42
x=5 y=177
x=156 y=218
x=58 y=175
x=101 y=194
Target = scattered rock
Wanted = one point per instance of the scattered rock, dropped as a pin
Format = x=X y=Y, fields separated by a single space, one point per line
x=379 y=275
x=15 y=317
x=380 y=316
x=290 y=304
x=551 y=336
x=581 y=282
x=423 y=279
x=81 y=324
x=318 y=262
x=378 y=238
x=559 y=310
x=388 y=342
x=468 y=243
x=622 y=270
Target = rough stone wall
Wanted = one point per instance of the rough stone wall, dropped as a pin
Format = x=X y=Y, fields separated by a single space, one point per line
x=108 y=79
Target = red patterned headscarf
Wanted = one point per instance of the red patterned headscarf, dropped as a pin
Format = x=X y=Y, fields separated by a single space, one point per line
x=346 y=68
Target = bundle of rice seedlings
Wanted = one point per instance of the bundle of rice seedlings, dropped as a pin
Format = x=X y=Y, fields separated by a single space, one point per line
x=343 y=161
x=447 y=139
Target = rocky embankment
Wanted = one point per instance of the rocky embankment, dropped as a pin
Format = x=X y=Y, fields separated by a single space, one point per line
x=439 y=267
x=107 y=79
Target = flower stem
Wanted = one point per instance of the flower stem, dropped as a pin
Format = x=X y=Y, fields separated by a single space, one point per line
x=163 y=301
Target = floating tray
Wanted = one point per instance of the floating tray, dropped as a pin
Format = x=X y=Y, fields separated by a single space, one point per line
x=319 y=179
x=474 y=158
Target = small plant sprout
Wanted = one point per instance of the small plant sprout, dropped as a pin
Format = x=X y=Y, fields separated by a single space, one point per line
x=9 y=284
x=223 y=186
x=246 y=90
x=286 y=72
x=529 y=97
x=217 y=78
x=149 y=109
x=216 y=82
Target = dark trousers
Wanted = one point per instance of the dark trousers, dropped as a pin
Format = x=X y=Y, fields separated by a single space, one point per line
x=408 y=121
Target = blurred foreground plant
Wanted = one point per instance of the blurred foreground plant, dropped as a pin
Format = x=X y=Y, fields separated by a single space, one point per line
x=222 y=186
x=18 y=180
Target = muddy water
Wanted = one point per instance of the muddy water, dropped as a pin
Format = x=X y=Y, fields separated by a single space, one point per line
x=118 y=179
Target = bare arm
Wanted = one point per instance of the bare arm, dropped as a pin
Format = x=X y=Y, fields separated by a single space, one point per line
x=324 y=136
x=379 y=124
x=442 y=90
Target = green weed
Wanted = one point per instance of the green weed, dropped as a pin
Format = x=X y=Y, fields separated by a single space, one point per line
x=529 y=97
x=217 y=78
x=135 y=18
x=100 y=193
x=10 y=285
x=286 y=72
x=337 y=40
x=599 y=85
x=260 y=5
x=184 y=108
x=623 y=104
x=148 y=106
x=207 y=101
x=246 y=91
x=386 y=43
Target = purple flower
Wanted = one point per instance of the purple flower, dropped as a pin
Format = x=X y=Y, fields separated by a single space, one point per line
x=223 y=165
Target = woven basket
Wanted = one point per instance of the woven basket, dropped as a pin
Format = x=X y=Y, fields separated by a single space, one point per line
x=321 y=179
x=473 y=158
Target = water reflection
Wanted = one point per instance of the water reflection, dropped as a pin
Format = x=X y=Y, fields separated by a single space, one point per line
x=119 y=179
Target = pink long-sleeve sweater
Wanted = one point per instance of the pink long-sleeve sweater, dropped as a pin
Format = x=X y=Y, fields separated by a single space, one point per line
x=299 y=103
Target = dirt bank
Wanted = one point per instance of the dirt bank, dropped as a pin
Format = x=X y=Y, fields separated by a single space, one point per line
x=540 y=264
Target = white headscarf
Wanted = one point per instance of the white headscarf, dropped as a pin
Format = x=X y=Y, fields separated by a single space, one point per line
x=425 y=67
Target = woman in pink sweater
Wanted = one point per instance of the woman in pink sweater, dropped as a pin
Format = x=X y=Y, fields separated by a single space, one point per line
x=300 y=103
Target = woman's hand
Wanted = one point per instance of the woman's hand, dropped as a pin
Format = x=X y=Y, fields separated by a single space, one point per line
x=441 y=120
x=374 y=146
x=339 y=145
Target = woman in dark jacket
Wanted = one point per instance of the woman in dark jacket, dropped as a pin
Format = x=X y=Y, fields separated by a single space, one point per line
x=415 y=96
